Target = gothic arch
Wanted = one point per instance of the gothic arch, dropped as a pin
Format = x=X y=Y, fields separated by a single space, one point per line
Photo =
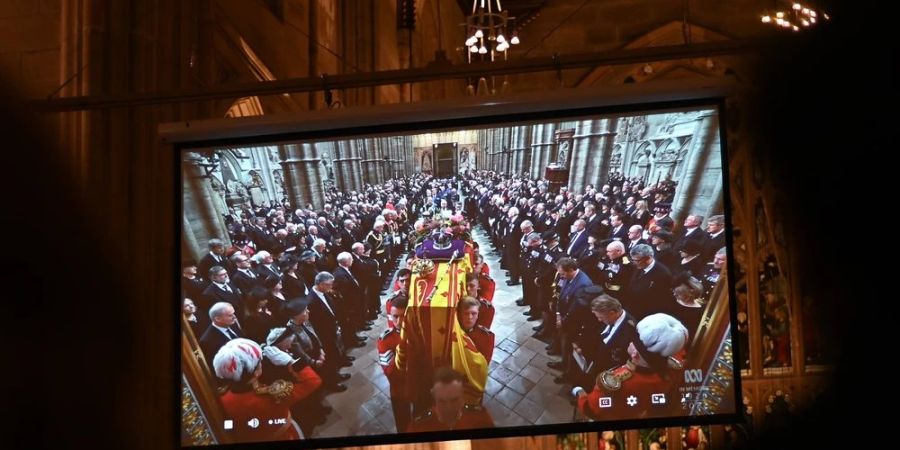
x=671 y=33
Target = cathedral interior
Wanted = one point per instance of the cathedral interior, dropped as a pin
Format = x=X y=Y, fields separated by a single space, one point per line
x=102 y=76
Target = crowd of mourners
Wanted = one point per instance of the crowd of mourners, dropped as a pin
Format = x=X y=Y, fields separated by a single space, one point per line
x=276 y=305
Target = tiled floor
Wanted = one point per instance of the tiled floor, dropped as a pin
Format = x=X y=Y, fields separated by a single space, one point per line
x=520 y=390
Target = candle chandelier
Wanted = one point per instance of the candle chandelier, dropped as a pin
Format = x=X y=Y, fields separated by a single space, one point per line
x=489 y=31
x=794 y=16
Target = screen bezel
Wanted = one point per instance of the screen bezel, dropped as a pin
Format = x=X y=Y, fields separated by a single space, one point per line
x=472 y=113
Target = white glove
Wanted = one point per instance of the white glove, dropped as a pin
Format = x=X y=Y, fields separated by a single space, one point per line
x=577 y=390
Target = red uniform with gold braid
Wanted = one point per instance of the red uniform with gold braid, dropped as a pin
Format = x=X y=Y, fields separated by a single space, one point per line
x=623 y=382
x=387 y=353
x=472 y=417
x=242 y=407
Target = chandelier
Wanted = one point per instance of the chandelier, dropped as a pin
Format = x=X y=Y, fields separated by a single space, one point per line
x=487 y=31
x=795 y=17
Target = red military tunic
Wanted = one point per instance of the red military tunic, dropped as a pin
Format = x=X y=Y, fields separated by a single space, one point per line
x=387 y=352
x=639 y=386
x=485 y=314
x=486 y=287
x=472 y=417
x=242 y=407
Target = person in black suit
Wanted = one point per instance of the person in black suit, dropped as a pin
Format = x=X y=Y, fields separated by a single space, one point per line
x=222 y=290
x=512 y=246
x=691 y=231
x=223 y=328
x=365 y=270
x=350 y=291
x=259 y=233
x=661 y=241
x=650 y=290
x=715 y=237
x=691 y=259
x=635 y=234
x=610 y=348
x=618 y=231
x=244 y=277
x=578 y=240
x=215 y=257
x=265 y=265
x=198 y=322
x=192 y=286
x=325 y=316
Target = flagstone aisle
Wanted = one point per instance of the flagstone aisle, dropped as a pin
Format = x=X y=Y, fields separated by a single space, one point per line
x=520 y=389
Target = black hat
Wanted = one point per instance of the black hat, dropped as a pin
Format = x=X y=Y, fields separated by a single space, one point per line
x=666 y=222
x=549 y=236
x=665 y=235
x=296 y=306
x=271 y=281
x=286 y=263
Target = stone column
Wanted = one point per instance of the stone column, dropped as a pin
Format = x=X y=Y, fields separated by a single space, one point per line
x=594 y=142
x=341 y=174
x=696 y=187
x=202 y=216
x=302 y=175
x=356 y=164
x=537 y=136
x=548 y=153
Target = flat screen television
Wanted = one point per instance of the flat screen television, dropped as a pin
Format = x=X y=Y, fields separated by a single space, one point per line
x=486 y=267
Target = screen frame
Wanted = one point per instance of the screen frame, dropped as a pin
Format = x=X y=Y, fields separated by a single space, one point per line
x=482 y=112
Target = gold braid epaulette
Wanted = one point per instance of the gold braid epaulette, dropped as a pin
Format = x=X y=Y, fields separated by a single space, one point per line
x=279 y=390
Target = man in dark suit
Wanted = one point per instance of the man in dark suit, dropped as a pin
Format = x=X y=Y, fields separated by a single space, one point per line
x=348 y=235
x=350 y=290
x=571 y=279
x=512 y=246
x=325 y=316
x=635 y=237
x=715 y=237
x=578 y=240
x=650 y=290
x=365 y=270
x=222 y=290
x=223 y=328
x=215 y=257
x=610 y=348
x=259 y=233
x=244 y=277
x=265 y=265
x=618 y=231
x=692 y=231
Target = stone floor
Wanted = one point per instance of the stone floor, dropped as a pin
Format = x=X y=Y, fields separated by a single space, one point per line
x=520 y=388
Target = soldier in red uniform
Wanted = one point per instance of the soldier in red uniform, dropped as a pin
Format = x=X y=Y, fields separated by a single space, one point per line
x=239 y=363
x=450 y=411
x=468 y=311
x=387 y=351
x=401 y=289
x=645 y=386
x=486 y=308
